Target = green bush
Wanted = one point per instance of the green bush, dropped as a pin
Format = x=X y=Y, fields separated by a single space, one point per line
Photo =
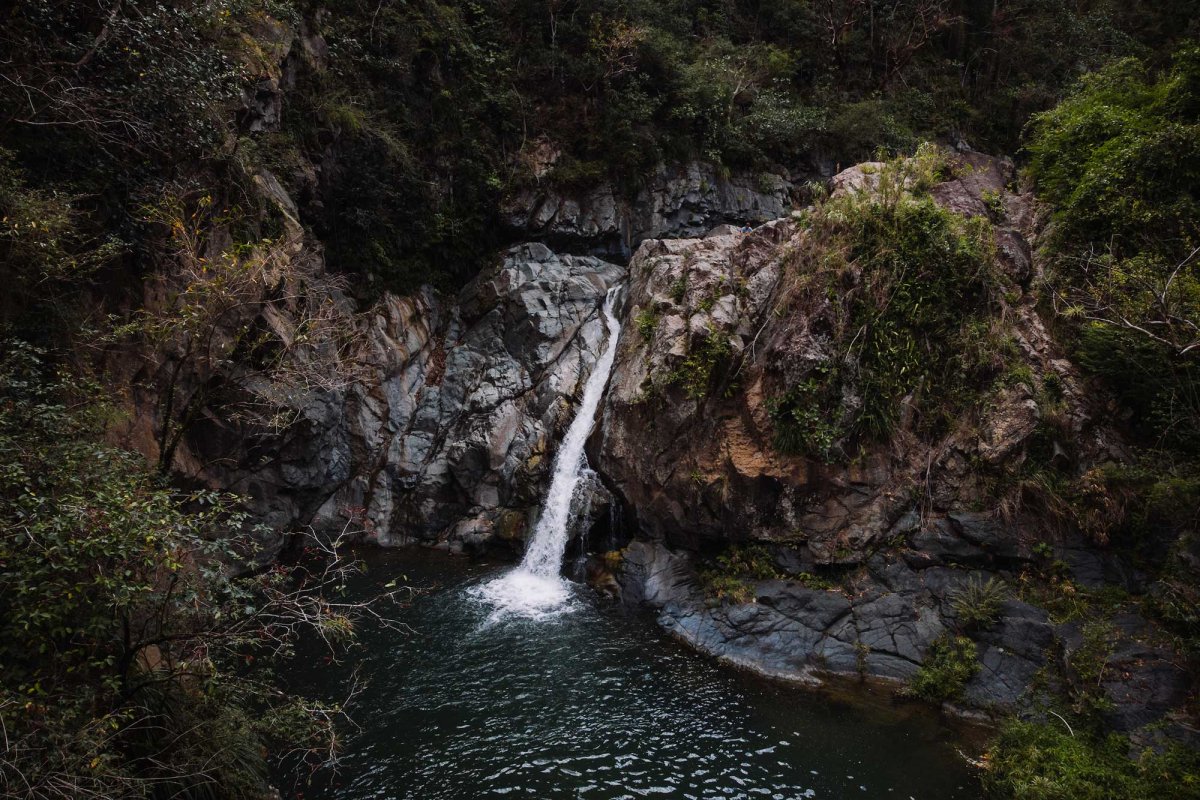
x=949 y=664
x=647 y=321
x=978 y=604
x=912 y=284
x=726 y=588
x=802 y=422
x=1119 y=160
x=1044 y=761
x=695 y=374
x=729 y=577
x=136 y=659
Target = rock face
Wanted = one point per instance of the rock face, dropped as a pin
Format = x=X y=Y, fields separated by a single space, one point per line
x=447 y=432
x=447 y=435
x=895 y=535
x=677 y=202
x=687 y=424
x=444 y=428
x=457 y=432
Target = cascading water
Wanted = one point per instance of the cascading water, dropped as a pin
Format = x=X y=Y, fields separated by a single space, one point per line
x=535 y=588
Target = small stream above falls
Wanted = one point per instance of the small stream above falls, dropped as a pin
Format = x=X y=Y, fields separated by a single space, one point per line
x=593 y=704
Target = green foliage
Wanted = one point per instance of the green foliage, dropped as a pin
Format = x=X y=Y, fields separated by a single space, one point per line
x=1089 y=661
x=429 y=111
x=647 y=322
x=912 y=283
x=978 y=604
x=924 y=269
x=1119 y=157
x=144 y=80
x=45 y=245
x=994 y=203
x=729 y=578
x=949 y=664
x=133 y=655
x=695 y=373
x=810 y=581
x=726 y=588
x=868 y=126
x=1043 y=761
x=1159 y=389
x=800 y=417
x=679 y=288
x=1120 y=161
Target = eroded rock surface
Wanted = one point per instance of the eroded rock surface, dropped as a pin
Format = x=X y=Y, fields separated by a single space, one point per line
x=449 y=428
x=897 y=533
x=677 y=202
x=713 y=338
x=463 y=422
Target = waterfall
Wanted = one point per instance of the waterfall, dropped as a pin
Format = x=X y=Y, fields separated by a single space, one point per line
x=535 y=588
x=544 y=552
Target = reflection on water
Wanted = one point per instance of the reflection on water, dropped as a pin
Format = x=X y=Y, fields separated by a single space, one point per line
x=596 y=704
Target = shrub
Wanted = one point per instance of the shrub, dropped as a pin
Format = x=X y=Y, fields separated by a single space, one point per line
x=647 y=321
x=949 y=664
x=911 y=285
x=978 y=604
x=802 y=418
x=728 y=579
x=810 y=581
x=1044 y=761
x=994 y=203
x=696 y=371
x=726 y=588
x=136 y=656
x=1119 y=159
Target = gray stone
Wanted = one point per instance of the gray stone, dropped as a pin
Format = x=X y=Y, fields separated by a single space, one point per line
x=690 y=200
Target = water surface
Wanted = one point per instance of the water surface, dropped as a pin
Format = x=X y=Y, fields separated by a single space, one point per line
x=596 y=703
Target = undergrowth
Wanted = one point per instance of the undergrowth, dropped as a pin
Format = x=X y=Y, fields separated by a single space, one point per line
x=729 y=577
x=950 y=663
x=907 y=293
x=1045 y=761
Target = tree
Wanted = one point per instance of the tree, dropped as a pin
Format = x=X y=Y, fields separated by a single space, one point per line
x=134 y=639
x=250 y=327
x=1119 y=160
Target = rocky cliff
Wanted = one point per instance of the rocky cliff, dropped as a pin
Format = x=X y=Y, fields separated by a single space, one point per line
x=858 y=558
x=445 y=429
x=869 y=558
x=676 y=202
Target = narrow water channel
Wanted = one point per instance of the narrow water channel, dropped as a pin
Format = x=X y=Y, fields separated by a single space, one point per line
x=595 y=703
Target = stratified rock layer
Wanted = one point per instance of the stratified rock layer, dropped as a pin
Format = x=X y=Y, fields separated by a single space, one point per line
x=677 y=202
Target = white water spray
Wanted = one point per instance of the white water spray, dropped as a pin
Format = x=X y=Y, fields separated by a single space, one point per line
x=535 y=588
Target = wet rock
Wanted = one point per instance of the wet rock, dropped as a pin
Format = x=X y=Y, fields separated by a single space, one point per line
x=449 y=433
x=655 y=576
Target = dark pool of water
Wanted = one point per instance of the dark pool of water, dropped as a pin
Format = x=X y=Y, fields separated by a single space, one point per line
x=596 y=704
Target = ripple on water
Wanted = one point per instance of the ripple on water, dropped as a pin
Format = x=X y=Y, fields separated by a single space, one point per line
x=564 y=699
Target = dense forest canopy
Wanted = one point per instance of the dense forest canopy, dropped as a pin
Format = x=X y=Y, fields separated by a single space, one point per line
x=427 y=110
